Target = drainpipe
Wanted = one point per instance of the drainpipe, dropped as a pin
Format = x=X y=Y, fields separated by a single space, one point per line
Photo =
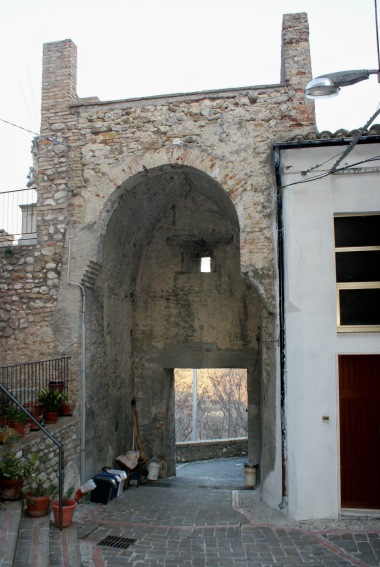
x=281 y=294
x=83 y=370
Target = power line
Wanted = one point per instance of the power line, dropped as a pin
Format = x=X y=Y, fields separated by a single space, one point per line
x=19 y=127
x=53 y=140
x=355 y=140
x=322 y=175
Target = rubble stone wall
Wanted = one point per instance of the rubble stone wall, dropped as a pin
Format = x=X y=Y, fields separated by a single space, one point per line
x=215 y=449
x=65 y=431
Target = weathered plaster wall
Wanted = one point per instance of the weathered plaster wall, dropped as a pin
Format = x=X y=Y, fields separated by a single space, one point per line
x=101 y=172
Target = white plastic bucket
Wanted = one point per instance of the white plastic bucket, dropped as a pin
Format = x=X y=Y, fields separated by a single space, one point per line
x=250 y=475
x=153 y=470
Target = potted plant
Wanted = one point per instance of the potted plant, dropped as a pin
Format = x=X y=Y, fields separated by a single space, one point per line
x=7 y=434
x=51 y=401
x=13 y=471
x=35 y=408
x=68 y=406
x=37 y=494
x=68 y=508
x=18 y=420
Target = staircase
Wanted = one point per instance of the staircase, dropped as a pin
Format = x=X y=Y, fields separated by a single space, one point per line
x=35 y=542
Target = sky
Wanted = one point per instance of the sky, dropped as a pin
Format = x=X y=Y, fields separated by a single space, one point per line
x=136 y=48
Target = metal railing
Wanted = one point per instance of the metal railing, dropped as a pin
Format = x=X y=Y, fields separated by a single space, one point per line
x=18 y=221
x=25 y=381
x=8 y=394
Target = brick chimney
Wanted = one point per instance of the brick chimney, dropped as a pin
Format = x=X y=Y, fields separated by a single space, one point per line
x=59 y=80
x=296 y=65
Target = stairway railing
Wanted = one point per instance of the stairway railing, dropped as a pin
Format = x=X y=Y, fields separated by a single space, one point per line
x=26 y=380
x=53 y=439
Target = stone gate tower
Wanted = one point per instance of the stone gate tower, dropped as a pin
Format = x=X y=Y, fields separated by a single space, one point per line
x=131 y=195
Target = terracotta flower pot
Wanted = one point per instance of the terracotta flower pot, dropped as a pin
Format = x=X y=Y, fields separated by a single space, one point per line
x=35 y=408
x=67 y=512
x=10 y=488
x=67 y=408
x=21 y=428
x=51 y=416
x=37 y=506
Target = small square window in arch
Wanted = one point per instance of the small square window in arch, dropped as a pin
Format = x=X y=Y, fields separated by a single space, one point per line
x=206 y=264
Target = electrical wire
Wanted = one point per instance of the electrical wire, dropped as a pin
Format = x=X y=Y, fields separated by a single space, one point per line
x=346 y=167
x=320 y=164
x=19 y=127
x=343 y=154
x=53 y=140
x=355 y=140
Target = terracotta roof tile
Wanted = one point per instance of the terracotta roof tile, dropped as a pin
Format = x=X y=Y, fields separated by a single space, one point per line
x=341 y=133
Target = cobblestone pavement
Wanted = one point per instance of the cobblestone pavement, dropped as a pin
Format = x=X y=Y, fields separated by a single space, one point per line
x=178 y=525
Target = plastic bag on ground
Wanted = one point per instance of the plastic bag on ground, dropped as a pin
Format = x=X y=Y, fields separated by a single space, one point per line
x=129 y=460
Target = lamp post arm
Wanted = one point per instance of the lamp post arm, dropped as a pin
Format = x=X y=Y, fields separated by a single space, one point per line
x=346 y=78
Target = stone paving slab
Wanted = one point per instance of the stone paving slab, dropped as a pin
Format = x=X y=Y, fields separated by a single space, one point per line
x=10 y=514
x=174 y=527
x=33 y=542
x=227 y=474
x=364 y=546
x=64 y=547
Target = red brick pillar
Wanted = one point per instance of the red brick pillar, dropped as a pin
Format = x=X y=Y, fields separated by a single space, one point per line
x=296 y=66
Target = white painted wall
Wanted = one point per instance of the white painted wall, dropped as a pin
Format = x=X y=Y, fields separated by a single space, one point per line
x=312 y=341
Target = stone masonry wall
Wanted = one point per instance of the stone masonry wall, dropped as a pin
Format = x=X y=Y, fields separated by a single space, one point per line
x=87 y=148
x=65 y=431
x=29 y=290
x=216 y=449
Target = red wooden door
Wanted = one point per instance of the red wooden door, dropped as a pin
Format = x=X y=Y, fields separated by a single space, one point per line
x=359 y=402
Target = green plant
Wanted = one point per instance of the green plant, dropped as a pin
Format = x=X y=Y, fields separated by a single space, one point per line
x=67 y=495
x=15 y=414
x=51 y=400
x=35 y=483
x=8 y=435
x=9 y=252
x=68 y=399
x=68 y=405
x=12 y=467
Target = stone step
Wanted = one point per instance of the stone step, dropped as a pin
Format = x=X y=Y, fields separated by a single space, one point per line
x=64 y=547
x=35 y=542
x=10 y=517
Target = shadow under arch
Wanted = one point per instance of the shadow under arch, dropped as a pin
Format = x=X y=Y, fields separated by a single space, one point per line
x=150 y=191
x=153 y=310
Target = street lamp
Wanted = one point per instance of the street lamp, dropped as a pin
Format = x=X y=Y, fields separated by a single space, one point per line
x=327 y=86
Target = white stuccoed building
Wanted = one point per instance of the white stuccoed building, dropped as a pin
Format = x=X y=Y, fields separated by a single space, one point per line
x=331 y=314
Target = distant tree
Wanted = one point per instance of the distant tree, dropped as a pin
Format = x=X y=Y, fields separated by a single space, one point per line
x=221 y=400
x=229 y=388
x=183 y=405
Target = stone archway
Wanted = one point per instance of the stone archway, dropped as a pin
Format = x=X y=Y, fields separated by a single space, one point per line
x=153 y=310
